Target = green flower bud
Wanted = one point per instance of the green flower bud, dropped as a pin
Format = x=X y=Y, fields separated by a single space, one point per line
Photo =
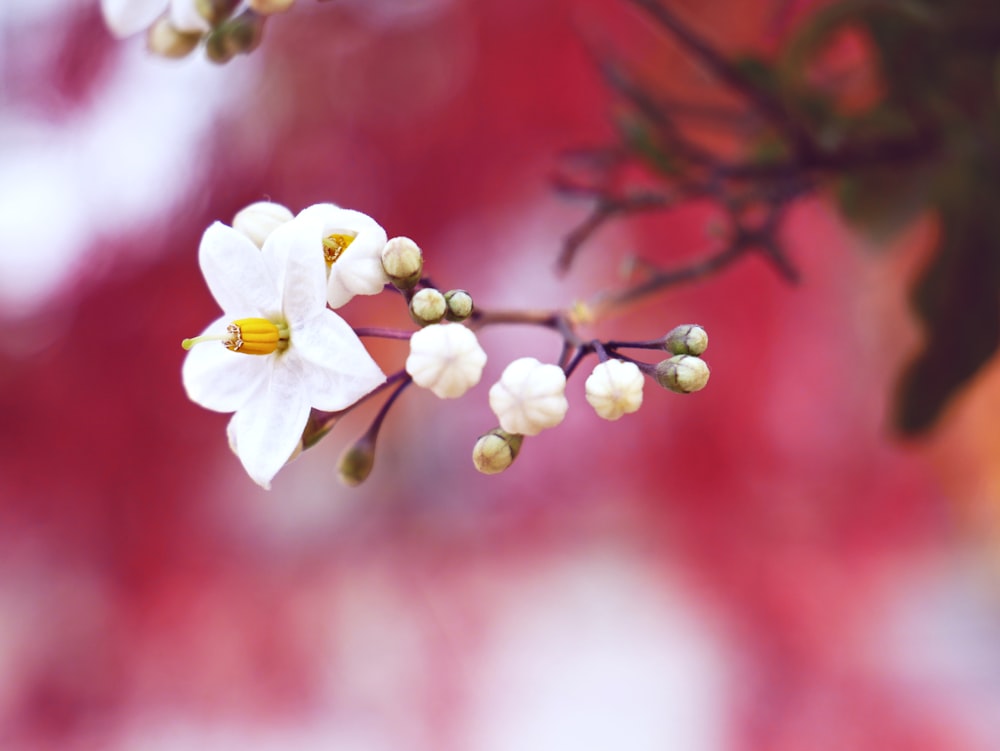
x=357 y=461
x=459 y=305
x=216 y=11
x=238 y=35
x=164 y=40
x=428 y=306
x=683 y=374
x=688 y=339
x=402 y=262
x=496 y=451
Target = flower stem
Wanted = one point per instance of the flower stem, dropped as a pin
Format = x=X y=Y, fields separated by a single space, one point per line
x=382 y=333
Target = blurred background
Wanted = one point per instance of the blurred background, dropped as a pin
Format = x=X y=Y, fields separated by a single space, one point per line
x=763 y=565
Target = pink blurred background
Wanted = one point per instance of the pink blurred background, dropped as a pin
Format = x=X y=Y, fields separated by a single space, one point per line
x=761 y=566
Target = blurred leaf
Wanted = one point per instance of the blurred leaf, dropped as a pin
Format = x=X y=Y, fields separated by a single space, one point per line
x=957 y=298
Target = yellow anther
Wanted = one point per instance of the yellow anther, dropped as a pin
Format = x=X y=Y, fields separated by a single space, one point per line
x=254 y=336
x=334 y=245
x=250 y=336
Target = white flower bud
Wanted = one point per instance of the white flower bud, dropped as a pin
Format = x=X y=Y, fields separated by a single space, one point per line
x=403 y=262
x=428 y=306
x=615 y=388
x=459 y=304
x=683 y=374
x=529 y=397
x=445 y=358
x=688 y=339
x=496 y=451
x=260 y=219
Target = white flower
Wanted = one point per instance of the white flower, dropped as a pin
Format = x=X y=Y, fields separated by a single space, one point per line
x=351 y=243
x=445 y=358
x=260 y=219
x=127 y=17
x=615 y=388
x=529 y=397
x=285 y=352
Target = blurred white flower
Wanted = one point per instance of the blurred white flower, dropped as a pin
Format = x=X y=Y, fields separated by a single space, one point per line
x=127 y=17
x=352 y=245
x=615 y=388
x=529 y=397
x=445 y=358
x=284 y=352
x=260 y=219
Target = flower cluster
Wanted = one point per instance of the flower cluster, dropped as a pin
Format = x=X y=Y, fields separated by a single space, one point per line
x=174 y=28
x=290 y=366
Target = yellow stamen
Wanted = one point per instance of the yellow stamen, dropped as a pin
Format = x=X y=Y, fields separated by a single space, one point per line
x=334 y=245
x=250 y=336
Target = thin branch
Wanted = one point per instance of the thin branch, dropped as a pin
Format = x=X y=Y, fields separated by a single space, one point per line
x=605 y=210
x=764 y=102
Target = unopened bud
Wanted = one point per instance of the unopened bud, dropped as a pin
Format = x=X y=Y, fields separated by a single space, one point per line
x=688 y=339
x=238 y=35
x=459 y=305
x=164 y=40
x=428 y=306
x=357 y=461
x=496 y=450
x=683 y=374
x=215 y=11
x=267 y=7
x=258 y=220
x=402 y=262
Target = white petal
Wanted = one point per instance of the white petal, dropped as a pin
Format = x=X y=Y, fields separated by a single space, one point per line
x=355 y=275
x=303 y=277
x=258 y=220
x=337 y=369
x=184 y=16
x=127 y=17
x=267 y=430
x=237 y=275
x=219 y=379
x=359 y=270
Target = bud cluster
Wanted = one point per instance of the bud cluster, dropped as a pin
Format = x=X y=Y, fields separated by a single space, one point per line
x=530 y=396
x=175 y=28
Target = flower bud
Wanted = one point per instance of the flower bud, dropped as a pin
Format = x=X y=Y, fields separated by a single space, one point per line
x=688 y=339
x=615 y=389
x=445 y=358
x=238 y=35
x=260 y=219
x=496 y=450
x=459 y=305
x=357 y=461
x=428 y=306
x=212 y=12
x=402 y=262
x=267 y=7
x=529 y=397
x=164 y=40
x=683 y=374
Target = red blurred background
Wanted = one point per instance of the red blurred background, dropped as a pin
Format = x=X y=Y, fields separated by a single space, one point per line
x=760 y=566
